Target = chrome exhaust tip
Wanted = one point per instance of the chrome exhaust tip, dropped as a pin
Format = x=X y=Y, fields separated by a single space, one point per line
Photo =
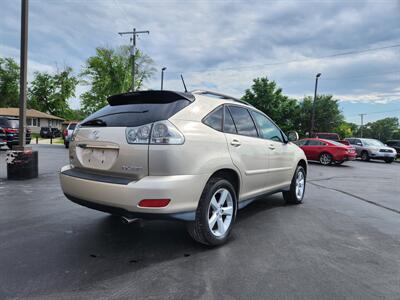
x=126 y=220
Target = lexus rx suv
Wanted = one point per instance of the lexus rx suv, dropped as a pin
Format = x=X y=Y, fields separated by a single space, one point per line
x=198 y=157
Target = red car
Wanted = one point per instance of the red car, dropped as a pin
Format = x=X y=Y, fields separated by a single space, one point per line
x=326 y=151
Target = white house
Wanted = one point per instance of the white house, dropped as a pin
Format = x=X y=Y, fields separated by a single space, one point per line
x=34 y=118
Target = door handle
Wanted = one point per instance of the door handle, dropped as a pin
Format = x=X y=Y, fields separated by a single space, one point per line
x=235 y=143
x=272 y=147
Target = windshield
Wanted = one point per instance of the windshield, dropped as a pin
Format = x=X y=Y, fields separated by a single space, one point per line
x=371 y=142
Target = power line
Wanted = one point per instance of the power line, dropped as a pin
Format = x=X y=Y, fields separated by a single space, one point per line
x=363 y=76
x=376 y=112
x=334 y=55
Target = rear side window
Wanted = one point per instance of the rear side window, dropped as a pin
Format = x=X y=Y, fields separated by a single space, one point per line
x=214 y=119
x=134 y=114
x=243 y=121
x=229 y=126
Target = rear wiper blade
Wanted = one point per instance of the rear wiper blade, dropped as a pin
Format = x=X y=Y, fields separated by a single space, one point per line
x=95 y=122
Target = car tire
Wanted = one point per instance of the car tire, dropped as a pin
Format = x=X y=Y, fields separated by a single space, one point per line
x=66 y=144
x=389 y=160
x=215 y=214
x=365 y=156
x=325 y=159
x=297 y=187
x=9 y=145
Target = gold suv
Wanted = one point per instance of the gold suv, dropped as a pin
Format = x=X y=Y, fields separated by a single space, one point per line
x=198 y=157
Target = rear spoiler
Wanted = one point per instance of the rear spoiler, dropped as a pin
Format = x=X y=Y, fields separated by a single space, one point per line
x=149 y=97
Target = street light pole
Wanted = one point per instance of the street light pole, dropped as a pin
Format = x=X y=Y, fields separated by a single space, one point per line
x=313 y=107
x=162 y=77
x=23 y=74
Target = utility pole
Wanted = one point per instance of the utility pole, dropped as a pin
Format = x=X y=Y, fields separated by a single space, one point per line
x=362 y=124
x=22 y=161
x=23 y=74
x=134 y=33
x=313 y=107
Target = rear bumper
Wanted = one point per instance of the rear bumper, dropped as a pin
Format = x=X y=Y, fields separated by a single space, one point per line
x=121 y=196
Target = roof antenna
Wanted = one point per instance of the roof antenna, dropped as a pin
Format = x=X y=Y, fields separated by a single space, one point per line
x=184 y=85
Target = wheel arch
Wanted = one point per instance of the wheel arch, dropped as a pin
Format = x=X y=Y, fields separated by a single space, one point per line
x=231 y=175
x=303 y=163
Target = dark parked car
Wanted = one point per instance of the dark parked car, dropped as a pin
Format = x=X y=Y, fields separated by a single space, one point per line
x=2 y=137
x=394 y=144
x=10 y=126
x=49 y=132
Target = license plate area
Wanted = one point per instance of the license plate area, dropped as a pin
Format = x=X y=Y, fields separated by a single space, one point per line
x=97 y=157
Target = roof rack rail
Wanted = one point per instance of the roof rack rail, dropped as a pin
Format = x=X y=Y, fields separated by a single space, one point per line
x=222 y=96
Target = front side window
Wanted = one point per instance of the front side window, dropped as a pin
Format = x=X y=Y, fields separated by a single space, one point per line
x=268 y=130
x=301 y=143
x=315 y=143
x=214 y=119
x=243 y=121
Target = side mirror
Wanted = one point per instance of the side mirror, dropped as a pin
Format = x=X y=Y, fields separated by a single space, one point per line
x=293 y=136
x=358 y=144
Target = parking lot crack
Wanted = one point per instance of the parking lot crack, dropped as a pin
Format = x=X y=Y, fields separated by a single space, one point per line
x=357 y=197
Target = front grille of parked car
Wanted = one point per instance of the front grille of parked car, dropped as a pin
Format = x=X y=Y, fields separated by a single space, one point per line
x=386 y=150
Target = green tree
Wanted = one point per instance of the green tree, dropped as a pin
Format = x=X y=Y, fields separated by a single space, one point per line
x=266 y=96
x=109 y=73
x=50 y=93
x=384 y=129
x=346 y=129
x=328 y=116
x=9 y=83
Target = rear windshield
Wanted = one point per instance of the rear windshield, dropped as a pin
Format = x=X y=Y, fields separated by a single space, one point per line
x=71 y=126
x=13 y=123
x=132 y=115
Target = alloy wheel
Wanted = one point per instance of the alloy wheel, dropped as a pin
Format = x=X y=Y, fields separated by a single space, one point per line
x=300 y=185
x=325 y=159
x=220 y=212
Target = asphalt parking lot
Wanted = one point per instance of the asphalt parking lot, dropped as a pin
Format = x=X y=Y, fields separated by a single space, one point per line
x=342 y=243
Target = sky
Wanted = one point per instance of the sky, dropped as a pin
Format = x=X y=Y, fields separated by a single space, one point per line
x=224 y=45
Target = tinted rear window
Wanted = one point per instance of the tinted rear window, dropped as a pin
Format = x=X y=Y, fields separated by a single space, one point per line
x=132 y=115
x=71 y=126
x=9 y=123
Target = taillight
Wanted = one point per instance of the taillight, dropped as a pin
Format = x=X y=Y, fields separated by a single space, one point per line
x=154 y=202
x=65 y=132
x=75 y=132
x=160 y=133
